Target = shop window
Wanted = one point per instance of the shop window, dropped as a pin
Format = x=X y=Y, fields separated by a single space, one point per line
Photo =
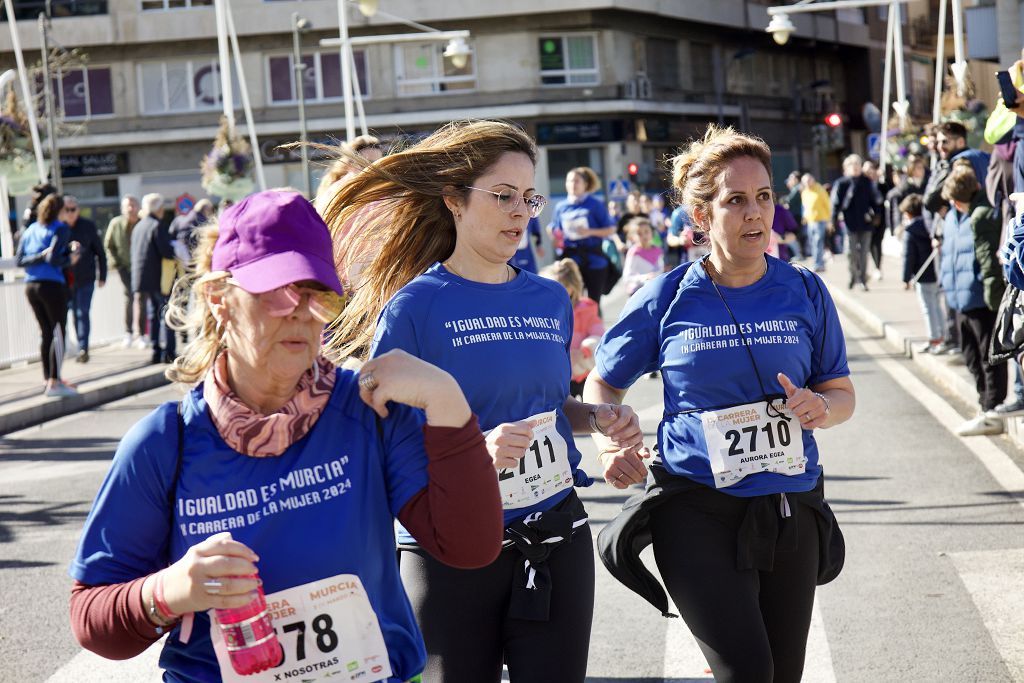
x=29 y=10
x=569 y=60
x=321 y=77
x=422 y=69
x=181 y=85
x=81 y=93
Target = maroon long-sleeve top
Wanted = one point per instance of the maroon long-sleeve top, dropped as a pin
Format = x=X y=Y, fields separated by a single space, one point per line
x=457 y=518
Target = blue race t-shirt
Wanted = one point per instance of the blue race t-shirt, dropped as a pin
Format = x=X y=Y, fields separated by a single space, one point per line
x=677 y=323
x=588 y=212
x=506 y=345
x=324 y=507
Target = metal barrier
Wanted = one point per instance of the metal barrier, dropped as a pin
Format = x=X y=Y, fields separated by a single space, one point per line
x=19 y=331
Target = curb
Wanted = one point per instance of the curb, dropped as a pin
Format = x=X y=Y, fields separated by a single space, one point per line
x=961 y=388
x=38 y=409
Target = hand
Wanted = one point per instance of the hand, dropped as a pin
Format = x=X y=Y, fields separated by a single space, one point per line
x=906 y=285
x=218 y=558
x=622 y=468
x=404 y=378
x=622 y=426
x=507 y=444
x=808 y=407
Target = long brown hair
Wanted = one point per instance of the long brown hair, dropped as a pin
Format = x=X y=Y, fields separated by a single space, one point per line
x=392 y=219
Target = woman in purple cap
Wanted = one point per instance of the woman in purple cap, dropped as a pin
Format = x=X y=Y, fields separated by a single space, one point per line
x=453 y=210
x=277 y=470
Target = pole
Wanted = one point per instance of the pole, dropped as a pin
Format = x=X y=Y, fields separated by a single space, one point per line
x=883 y=150
x=901 y=88
x=257 y=155
x=51 y=117
x=358 y=92
x=798 y=108
x=26 y=93
x=346 y=69
x=224 y=60
x=719 y=68
x=940 y=72
x=960 y=66
x=299 y=70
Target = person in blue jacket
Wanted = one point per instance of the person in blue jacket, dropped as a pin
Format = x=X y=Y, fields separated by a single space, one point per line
x=973 y=282
x=584 y=223
x=279 y=471
x=45 y=250
x=440 y=288
x=753 y=360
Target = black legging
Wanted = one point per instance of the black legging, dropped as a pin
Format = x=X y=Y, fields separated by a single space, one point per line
x=49 y=301
x=877 y=234
x=751 y=625
x=468 y=635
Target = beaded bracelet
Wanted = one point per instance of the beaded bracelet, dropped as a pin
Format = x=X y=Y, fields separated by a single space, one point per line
x=828 y=404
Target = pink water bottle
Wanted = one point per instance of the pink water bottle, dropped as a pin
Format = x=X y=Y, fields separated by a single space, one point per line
x=249 y=636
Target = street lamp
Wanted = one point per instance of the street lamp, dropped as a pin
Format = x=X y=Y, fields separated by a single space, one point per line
x=301 y=25
x=457 y=50
x=781 y=28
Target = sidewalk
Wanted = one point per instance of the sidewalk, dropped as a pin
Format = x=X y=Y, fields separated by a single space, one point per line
x=894 y=313
x=110 y=374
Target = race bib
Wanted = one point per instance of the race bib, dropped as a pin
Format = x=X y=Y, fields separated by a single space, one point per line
x=751 y=438
x=328 y=631
x=573 y=227
x=543 y=471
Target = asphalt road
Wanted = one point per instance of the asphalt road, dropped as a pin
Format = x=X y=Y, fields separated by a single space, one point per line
x=932 y=588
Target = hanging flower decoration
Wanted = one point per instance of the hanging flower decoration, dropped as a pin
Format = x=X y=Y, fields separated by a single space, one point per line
x=226 y=167
x=17 y=162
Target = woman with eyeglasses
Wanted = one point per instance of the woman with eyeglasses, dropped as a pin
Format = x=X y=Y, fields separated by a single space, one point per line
x=441 y=289
x=584 y=223
x=278 y=471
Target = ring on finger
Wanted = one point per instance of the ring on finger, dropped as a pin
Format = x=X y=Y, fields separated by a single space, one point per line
x=368 y=381
x=213 y=586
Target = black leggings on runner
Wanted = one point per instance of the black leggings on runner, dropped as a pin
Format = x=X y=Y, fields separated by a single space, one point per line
x=751 y=625
x=462 y=613
x=49 y=301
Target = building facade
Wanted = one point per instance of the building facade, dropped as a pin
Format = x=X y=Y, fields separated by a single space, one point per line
x=597 y=84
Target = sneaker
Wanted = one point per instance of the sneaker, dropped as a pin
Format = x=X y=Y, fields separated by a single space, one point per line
x=1012 y=408
x=877 y=276
x=944 y=347
x=864 y=286
x=61 y=391
x=926 y=347
x=126 y=343
x=980 y=426
x=140 y=343
x=82 y=357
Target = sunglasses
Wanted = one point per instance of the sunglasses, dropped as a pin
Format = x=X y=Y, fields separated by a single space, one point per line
x=324 y=304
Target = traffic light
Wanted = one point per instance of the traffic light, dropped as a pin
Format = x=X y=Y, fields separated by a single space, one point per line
x=634 y=171
x=835 y=130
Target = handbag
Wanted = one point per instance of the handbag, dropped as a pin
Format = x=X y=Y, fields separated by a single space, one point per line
x=1008 y=335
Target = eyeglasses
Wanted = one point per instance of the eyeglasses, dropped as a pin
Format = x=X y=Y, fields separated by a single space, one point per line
x=324 y=304
x=71 y=209
x=508 y=200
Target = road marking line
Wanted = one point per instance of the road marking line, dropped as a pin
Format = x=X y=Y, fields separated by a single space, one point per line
x=818 y=667
x=992 y=578
x=1002 y=468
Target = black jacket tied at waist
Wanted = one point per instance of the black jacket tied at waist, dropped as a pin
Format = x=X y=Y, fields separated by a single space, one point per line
x=535 y=537
x=770 y=524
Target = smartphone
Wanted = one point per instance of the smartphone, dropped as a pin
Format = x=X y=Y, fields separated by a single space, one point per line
x=1006 y=88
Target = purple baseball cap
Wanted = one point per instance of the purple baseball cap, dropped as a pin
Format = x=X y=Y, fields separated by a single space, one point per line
x=271 y=239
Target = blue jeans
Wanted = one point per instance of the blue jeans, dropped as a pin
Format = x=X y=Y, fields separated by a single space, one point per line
x=816 y=240
x=931 y=306
x=81 y=302
x=162 y=338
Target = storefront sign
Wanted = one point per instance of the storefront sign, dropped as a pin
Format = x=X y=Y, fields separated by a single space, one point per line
x=100 y=163
x=570 y=132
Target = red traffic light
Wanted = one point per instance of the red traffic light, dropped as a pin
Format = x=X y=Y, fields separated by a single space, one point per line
x=633 y=169
x=833 y=120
